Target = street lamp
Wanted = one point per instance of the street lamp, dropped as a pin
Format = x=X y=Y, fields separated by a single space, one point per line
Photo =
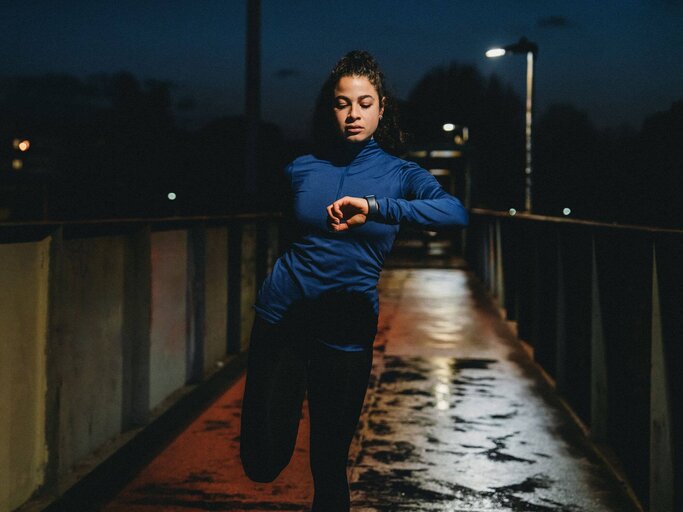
x=531 y=50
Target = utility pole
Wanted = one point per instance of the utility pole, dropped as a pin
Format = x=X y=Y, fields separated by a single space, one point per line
x=252 y=95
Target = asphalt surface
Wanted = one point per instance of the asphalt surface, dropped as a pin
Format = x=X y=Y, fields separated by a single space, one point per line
x=457 y=418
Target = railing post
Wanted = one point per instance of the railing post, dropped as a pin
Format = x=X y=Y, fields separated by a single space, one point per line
x=196 y=289
x=273 y=245
x=661 y=446
x=560 y=322
x=136 y=345
x=234 y=287
x=599 y=401
x=491 y=259
x=248 y=272
x=53 y=355
x=500 y=277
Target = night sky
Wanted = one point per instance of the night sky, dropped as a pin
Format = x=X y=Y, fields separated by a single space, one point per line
x=618 y=60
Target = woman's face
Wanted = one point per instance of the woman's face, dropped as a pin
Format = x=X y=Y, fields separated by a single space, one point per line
x=357 y=108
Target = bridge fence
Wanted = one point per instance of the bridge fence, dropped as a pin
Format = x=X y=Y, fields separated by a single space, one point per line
x=105 y=325
x=601 y=307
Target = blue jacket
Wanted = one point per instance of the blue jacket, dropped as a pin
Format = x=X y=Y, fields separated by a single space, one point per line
x=320 y=261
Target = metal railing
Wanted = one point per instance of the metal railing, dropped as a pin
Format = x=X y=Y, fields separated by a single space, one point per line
x=601 y=306
x=103 y=322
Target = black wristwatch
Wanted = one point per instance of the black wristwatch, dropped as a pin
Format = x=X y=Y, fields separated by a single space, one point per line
x=373 y=207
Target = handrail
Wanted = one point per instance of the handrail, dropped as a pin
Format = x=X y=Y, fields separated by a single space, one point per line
x=274 y=215
x=144 y=220
x=565 y=220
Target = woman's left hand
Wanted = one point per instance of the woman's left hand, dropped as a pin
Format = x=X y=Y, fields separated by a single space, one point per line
x=347 y=212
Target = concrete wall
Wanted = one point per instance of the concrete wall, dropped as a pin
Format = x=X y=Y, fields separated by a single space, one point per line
x=101 y=325
x=23 y=320
x=216 y=298
x=85 y=344
x=273 y=247
x=248 y=282
x=169 y=328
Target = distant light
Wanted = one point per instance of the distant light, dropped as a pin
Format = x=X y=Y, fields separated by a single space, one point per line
x=171 y=196
x=567 y=211
x=24 y=145
x=512 y=211
x=445 y=153
x=448 y=127
x=458 y=139
x=495 y=52
x=440 y=172
x=418 y=154
x=17 y=164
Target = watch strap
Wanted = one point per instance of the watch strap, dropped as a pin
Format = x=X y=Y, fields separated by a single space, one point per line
x=373 y=206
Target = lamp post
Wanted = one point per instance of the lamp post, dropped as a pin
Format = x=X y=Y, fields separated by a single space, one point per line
x=531 y=50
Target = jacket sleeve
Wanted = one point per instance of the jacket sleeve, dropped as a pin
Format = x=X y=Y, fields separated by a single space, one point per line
x=424 y=202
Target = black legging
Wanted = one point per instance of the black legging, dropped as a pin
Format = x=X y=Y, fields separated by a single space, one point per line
x=285 y=362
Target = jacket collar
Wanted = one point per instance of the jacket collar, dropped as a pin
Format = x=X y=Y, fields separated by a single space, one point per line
x=351 y=153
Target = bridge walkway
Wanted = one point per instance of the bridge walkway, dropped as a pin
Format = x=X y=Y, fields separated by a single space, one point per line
x=457 y=418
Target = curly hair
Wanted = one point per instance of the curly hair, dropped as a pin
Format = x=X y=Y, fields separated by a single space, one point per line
x=361 y=64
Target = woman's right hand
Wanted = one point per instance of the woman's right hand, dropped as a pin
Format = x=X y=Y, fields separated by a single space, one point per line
x=347 y=212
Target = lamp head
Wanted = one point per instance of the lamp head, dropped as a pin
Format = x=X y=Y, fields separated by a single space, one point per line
x=495 y=52
x=522 y=46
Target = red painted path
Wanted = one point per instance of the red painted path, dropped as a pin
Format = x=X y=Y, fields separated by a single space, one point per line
x=201 y=470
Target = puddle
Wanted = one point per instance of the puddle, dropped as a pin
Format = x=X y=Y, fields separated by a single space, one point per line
x=472 y=364
x=414 y=491
x=392 y=376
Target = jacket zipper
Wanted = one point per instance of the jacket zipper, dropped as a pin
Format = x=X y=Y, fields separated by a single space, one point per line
x=341 y=182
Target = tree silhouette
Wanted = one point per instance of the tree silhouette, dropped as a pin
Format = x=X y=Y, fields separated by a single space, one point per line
x=659 y=168
x=108 y=145
x=493 y=113
x=124 y=158
x=567 y=162
x=619 y=176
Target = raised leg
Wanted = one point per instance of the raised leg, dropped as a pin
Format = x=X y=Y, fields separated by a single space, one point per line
x=273 y=397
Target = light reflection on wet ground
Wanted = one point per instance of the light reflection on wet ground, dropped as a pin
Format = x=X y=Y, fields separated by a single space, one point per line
x=458 y=424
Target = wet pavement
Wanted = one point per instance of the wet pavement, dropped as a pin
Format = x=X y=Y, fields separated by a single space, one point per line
x=461 y=421
x=457 y=419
